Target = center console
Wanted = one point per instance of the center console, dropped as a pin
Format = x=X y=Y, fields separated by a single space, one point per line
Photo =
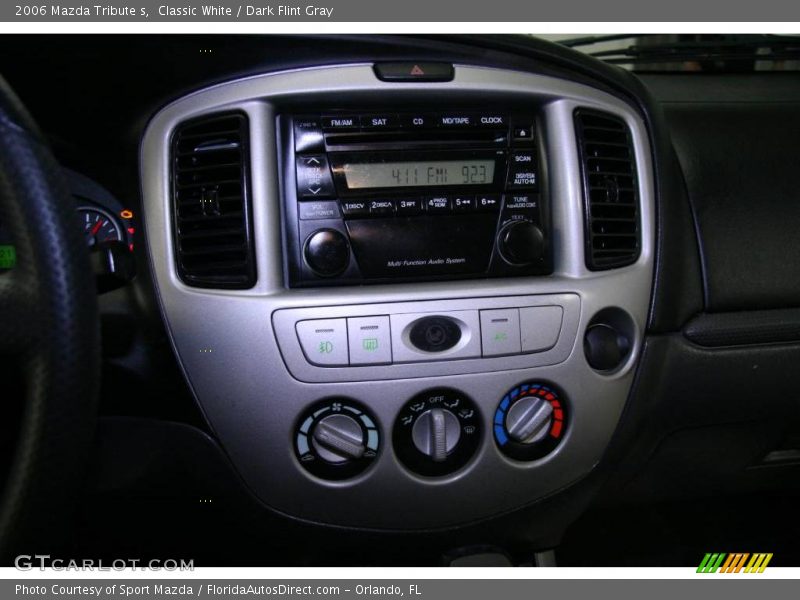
x=403 y=304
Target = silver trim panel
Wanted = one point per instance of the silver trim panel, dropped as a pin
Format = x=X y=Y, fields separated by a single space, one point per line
x=252 y=400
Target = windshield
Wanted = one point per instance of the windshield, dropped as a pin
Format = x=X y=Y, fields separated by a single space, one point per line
x=691 y=52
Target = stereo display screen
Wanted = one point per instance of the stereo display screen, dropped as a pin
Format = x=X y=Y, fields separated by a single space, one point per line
x=418 y=173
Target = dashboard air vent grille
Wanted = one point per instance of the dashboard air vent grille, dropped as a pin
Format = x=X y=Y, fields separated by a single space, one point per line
x=211 y=202
x=610 y=190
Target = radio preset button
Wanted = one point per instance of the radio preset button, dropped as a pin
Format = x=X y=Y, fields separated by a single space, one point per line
x=324 y=341
x=463 y=203
x=318 y=210
x=438 y=204
x=314 y=177
x=488 y=202
x=381 y=207
x=370 y=341
x=340 y=122
x=409 y=207
x=355 y=208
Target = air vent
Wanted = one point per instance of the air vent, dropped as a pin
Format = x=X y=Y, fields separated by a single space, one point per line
x=610 y=190
x=211 y=200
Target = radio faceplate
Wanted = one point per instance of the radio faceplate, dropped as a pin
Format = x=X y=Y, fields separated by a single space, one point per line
x=377 y=197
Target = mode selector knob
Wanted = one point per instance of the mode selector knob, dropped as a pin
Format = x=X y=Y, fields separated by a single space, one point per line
x=528 y=420
x=338 y=438
x=521 y=243
x=435 y=433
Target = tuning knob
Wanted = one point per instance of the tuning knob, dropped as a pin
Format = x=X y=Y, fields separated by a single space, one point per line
x=435 y=433
x=521 y=243
x=336 y=439
x=327 y=252
x=530 y=421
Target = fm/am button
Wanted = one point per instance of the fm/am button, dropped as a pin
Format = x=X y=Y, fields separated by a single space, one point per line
x=370 y=340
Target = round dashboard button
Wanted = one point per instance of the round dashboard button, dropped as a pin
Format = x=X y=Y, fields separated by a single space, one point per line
x=434 y=334
x=327 y=252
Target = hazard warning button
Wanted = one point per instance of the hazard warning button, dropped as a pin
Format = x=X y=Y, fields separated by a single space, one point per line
x=414 y=71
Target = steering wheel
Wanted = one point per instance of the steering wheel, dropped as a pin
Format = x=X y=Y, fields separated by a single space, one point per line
x=49 y=330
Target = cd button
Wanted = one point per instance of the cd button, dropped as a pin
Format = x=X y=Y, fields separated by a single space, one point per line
x=355 y=208
x=438 y=204
x=418 y=121
x=381 y=207
x=409 y=207
x=463 y=203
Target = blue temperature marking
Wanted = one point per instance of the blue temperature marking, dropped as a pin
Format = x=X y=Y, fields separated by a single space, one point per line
x=498 y=417
x=515 y=392
x=500 y=434
x=504 y=404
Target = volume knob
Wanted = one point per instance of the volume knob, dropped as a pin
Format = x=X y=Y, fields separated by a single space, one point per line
x=327 y=252
x=521 y=243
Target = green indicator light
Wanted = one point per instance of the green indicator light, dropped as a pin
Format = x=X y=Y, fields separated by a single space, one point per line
x=8 y=256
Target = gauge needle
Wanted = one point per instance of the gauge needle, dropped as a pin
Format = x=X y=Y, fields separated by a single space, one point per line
x=97 y=227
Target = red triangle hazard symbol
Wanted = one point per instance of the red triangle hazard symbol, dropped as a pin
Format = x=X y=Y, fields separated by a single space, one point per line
x=417 y=70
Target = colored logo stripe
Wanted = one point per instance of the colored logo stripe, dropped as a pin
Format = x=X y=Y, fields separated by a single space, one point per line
x=734 y=562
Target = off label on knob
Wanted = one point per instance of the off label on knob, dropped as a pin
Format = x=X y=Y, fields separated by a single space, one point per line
x=336 y=439
x=530 y=421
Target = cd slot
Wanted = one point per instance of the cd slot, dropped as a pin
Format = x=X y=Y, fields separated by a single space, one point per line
x=387 y=140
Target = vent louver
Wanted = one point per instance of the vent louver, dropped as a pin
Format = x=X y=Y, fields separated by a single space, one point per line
x=211 y=202
x=611 y=190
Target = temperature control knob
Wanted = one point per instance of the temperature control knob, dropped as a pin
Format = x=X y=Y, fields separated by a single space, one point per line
x=521 y=243
x=437 y=432
x=336 y=439
x=530 y=421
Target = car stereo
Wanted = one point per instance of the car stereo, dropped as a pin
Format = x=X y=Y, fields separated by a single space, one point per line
x=377 y=196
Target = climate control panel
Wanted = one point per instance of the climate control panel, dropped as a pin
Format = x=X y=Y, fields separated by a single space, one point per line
x=436 y=433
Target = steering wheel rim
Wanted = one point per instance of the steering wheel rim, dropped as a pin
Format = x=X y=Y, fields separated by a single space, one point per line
x=49 y=324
